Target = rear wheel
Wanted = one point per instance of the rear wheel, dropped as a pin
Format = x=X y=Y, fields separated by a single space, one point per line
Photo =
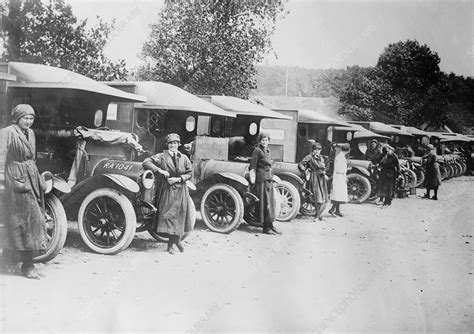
x=410 y=177
x=222 y=208
x=420 y=177
x=164 y=238
x=443 y=172
x=358 y=188
x=107 y=221
x=56 y=228
x=458 y=168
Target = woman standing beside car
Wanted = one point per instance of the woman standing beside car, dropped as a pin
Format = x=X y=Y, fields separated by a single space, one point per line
x=339 y=180
x=175 y=211
x=27 y=237
x=317 y=184
x=261 y=175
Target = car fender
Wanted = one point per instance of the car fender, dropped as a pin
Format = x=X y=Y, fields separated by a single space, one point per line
x=290 y=176
x=235 y=177
x=61 y=185
x=124 y=182
x=360 y=170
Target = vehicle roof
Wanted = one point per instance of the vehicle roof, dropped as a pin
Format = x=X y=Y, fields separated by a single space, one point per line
x=360 y=131
x=242 y=107
x=7 y=77
x=43 y=76
x=162 y=95
x=411 y=129
x=383 y=128
x=314 y=117
x=452 y=136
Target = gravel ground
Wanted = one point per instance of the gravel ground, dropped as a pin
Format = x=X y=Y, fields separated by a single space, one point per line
x=407 y=267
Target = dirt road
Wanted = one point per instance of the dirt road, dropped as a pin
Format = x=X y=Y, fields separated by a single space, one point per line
x=407 y=267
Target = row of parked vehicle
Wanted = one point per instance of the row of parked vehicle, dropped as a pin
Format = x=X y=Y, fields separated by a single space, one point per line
x=92 y=138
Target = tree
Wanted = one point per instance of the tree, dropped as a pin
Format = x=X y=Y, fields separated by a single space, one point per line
x=210 y=47
x=406 y=86
x=50 y=34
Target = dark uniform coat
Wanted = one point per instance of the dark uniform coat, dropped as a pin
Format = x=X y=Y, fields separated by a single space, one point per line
x=262 y=163
x=24 y=192
x=317 y=183
x=389 y=168
x=175 y=211
x=433 y=174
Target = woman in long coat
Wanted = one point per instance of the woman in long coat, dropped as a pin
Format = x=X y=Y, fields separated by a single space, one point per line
x=339 y=180
x=261 y=175
x=389 y=168
x=317 y=184
x=175 y=212
x=433 y=174
x=25 y=193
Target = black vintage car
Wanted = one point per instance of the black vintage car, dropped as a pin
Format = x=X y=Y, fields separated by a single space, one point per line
x=103 y=184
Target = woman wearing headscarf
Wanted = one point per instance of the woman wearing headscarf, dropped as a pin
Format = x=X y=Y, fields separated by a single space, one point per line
x=261 y=175
x=314 y=164
x=389 y=168
x=433 y=174
x=339 y=179
x=25 y=193
x=175 y=212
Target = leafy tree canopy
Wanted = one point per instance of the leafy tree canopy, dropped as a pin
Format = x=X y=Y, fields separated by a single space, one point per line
x=210 y=47
x=406 y=86
x=50 y=34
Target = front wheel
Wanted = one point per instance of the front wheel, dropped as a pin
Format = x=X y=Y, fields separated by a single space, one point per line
x=107 y=221
x=358 y=188
x=290 y=201
x=222 y=208
x=56 y=228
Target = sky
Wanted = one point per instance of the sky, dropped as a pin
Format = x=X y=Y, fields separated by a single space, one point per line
x=320 y=34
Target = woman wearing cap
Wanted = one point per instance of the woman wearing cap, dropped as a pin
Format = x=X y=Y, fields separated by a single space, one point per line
x=389 y=168
x=433 y=174
x=175 y=213
x=261 y=175
x=317 y=184
x=25 y=192
x=339 y=179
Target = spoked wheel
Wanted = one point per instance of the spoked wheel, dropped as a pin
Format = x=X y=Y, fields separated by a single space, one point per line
x=450 y=170
x=458 y=168
x=164 y=237
x=107 y=221
x=307 y=206
x=420 y=177
x=358 y=188
x=410 y=177
x=443 y=171
x=290 y=201
x=145 y=213
x=222 y=208
x=373 y=191
x=250 y=214
x=463 y=167
x=56 y=228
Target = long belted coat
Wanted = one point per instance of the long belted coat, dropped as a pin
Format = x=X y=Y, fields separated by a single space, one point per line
x=433 y=174
x=262 y=164
x=25 y=192
x=317 y=183
x=339 y=179
x=175 y=211
x=389 y=169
